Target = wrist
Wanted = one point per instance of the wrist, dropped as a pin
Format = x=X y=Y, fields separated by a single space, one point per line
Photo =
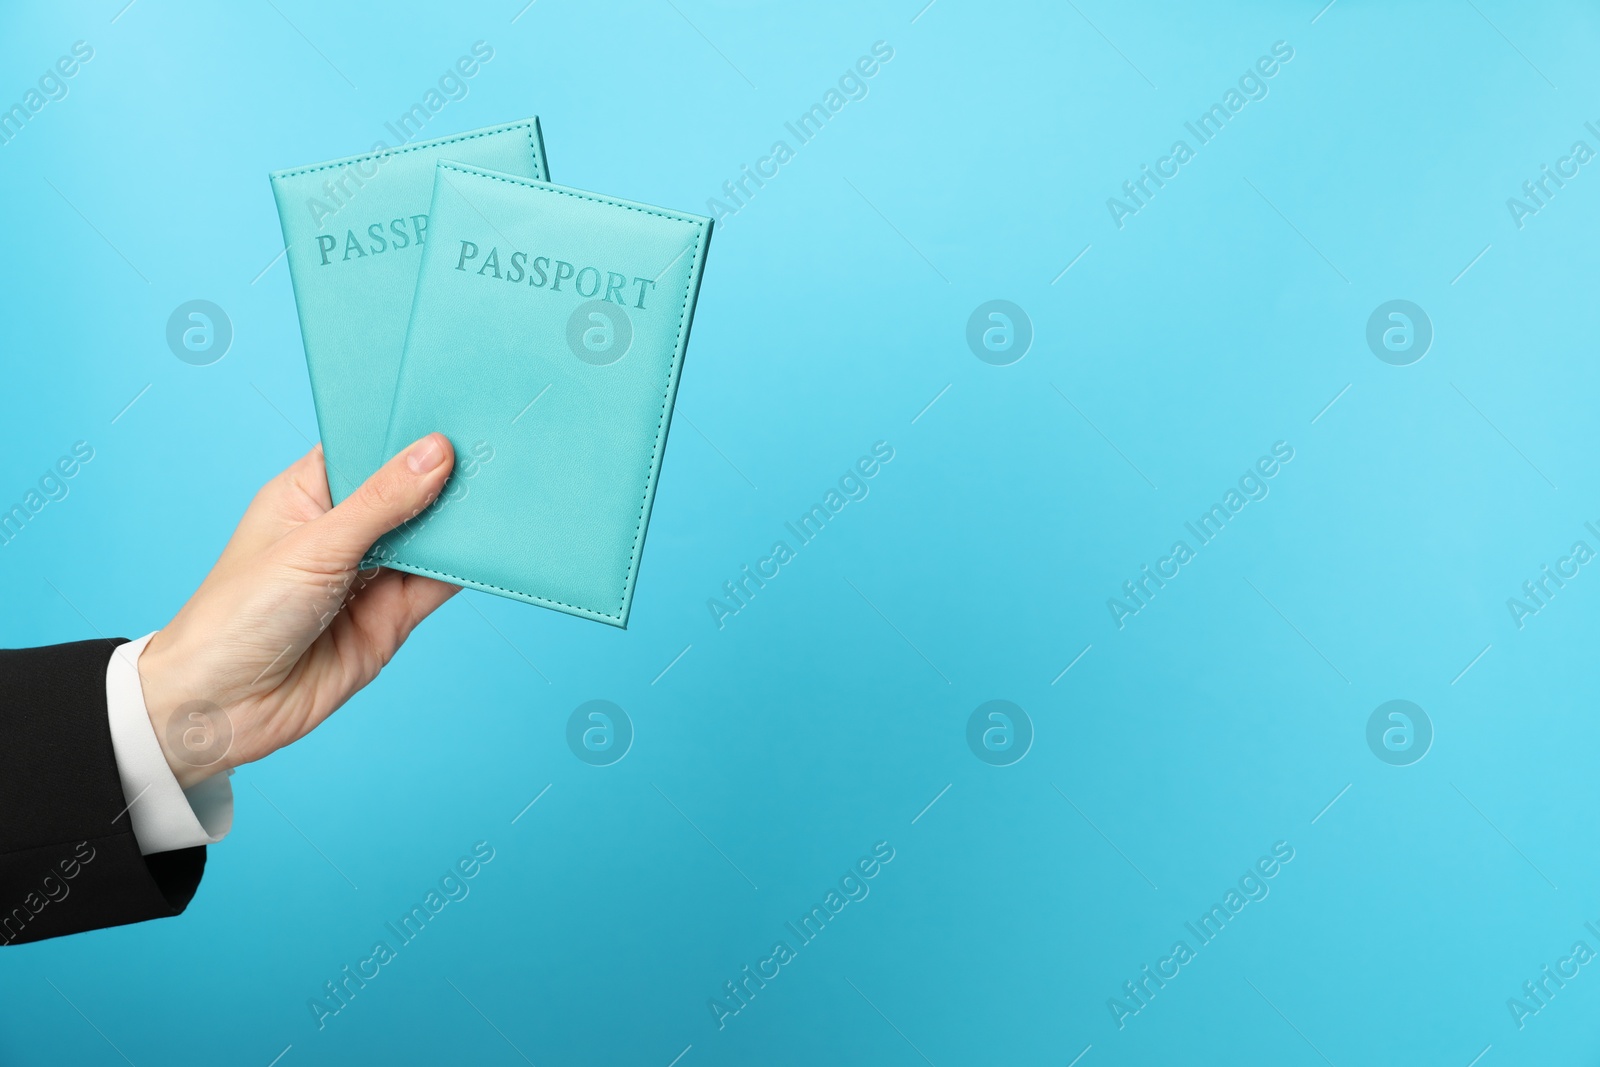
x=194 y=733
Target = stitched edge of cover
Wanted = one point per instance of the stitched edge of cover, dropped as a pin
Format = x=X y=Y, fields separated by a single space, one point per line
x=531 y=125
x=473 y=583
x=655 y=446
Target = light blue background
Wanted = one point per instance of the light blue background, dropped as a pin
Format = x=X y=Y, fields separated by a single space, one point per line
x=825 y=718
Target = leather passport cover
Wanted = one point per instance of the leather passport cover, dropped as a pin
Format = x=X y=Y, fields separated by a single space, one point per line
x=352 y=229
x=546 y=341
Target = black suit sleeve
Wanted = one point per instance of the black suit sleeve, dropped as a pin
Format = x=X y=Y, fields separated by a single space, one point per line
x=69 y=860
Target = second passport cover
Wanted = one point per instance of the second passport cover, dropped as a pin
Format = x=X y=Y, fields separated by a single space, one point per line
x=352 y=229
x=546 y=340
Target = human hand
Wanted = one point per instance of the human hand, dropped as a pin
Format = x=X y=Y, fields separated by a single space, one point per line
x=284 y=629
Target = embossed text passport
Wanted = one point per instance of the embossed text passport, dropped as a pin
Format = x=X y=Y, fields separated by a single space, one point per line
x=546 y=340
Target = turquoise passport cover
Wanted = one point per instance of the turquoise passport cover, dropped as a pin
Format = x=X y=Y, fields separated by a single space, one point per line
x=354 y=230
x=546 y=340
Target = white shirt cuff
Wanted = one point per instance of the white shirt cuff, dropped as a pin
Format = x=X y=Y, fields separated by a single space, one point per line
x=165 y=816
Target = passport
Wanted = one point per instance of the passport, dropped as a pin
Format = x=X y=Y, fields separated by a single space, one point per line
x=546 y=341
x=354 y=230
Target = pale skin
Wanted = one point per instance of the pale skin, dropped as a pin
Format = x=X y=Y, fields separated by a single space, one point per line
x=285 y=629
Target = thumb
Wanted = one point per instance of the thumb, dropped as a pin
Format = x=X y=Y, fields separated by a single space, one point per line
x=399 y=491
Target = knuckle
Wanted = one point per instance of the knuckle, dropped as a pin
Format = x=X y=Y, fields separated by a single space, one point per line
x=381 y=494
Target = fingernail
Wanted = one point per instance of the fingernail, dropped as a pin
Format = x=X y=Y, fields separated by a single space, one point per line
x=425 y=455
